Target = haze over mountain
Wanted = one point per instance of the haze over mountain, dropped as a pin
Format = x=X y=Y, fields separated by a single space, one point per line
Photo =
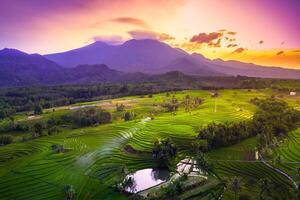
x=152 y=56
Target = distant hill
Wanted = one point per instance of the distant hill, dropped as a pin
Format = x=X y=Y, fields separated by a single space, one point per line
x=18 y=68
x=152 y=56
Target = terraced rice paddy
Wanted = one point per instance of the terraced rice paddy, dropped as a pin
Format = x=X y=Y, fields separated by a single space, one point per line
x=288 y=151
x=30 y=170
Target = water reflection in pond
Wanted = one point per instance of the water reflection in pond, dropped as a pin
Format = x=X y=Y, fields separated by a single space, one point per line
x=145 y=178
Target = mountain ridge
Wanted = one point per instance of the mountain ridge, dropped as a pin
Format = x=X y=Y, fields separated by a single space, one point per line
x=134 y=59
x=154 y=57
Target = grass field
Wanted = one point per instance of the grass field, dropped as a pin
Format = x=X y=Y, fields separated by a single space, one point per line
x=30 y=170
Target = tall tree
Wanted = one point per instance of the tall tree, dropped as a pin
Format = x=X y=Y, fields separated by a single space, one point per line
x=235 y=186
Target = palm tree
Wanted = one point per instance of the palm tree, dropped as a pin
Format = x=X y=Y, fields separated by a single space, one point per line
x=70 y=191
x=298 y=171
x=235 y=185
x=277 y=160
x=202 y=163
x=298 y=192
x=265 y=187
x=129 y=184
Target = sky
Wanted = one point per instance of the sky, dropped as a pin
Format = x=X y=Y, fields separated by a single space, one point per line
x=264 y=32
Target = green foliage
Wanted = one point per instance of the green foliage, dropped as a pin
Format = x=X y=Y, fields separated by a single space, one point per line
x=37 y=129
x=53 y=130
x=69 y=191
x=38 y=110
x=23 y=99
x=6 y=111
x=5 y=139
x=274 y=119
x=235 y=186
x=129 y=116
x=128 y=184
x=244 y=197
x=199 y=145
x=163 y=151
x=202 y=163
x=57 y=148
x=172 y=105
x=90 y=116
x=266 y=187
x=171 y=191
x=220 y=135
x=120 y=108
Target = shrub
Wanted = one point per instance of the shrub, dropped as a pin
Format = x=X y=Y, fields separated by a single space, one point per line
x=120 y=108
x=53 y=130
x=38 y=110
x=57 y=148
x=69 y=191
x=245 y=197
x=89 y=116
x=5 y=139
x=163 y=151
x=128 y=116
x=37 y=129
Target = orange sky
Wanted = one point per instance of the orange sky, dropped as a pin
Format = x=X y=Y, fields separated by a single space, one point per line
x=258 y=31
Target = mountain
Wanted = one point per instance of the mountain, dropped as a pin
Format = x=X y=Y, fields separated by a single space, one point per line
x=190 y=66
x=18 y=68
x=147 y=56
x=154 y=57
x=133 y=55
x=132 y=61
x=249 y=69
x=21 y=69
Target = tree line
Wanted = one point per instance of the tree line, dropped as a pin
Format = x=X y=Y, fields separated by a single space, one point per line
x=270 y=123
x=20 y=99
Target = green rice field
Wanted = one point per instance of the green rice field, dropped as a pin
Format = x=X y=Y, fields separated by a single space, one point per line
x=95 y=155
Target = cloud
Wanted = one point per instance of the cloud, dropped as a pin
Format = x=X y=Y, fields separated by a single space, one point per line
x=279 y=53
x=215 y=44
x=261 y=42
x=231 y=45
x=109 y=39
x=227 y=32
x=164 y=36
x=239 y=50
x=131 y=21
x=144 y=34
x=206 y=38
x=296 y=51
x=231 y=33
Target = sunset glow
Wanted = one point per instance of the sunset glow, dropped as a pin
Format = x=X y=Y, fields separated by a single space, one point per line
x=259 y=31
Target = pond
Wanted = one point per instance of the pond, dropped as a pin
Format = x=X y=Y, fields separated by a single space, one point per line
x=146 y=178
